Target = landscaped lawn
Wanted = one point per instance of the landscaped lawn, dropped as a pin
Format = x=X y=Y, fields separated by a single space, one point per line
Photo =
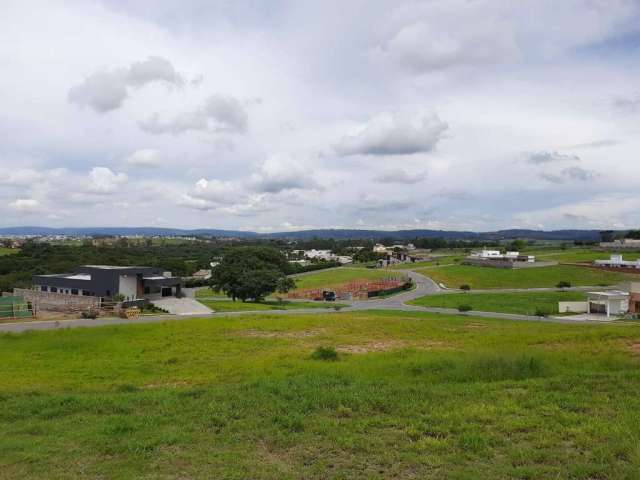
x=8 y=251
x=411 y=395
x=238 y=306
x=486 y=277
x=524 y=303
x=339 y=276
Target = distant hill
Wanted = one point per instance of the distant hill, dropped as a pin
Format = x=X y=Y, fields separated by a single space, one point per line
x=338 y=234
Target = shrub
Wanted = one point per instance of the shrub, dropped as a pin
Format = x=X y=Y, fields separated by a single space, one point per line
x=90 y=314
x=465 y=308
x=563 y=284
x=541 y=312
x=325 y=353
x=465 y=287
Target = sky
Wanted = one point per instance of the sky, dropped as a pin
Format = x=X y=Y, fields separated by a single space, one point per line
x=281 y=115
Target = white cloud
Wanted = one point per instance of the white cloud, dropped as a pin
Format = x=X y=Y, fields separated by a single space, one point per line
x=218 y=114
x=399 y=175
x=26 y=205
x=217 y=191
x=20 y=178
x=102 y=180
x=280 y=172
x=394 y=134
x=146 y=157
x=107 y=90
x=427 y=45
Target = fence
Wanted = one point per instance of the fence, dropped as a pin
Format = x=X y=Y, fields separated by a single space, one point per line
x=14 y=307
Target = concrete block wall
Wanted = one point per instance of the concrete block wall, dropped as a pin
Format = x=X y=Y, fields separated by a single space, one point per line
x=57 y=302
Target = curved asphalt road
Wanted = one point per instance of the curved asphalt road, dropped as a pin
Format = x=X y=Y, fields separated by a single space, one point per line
x=424 y=286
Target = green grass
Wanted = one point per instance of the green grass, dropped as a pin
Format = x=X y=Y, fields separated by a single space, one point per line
x=436 y=397
x=575 y=255
x=238 y=306
x=523 y=303
x=208 y=292
x=485 y=277
x=336 y=277
x=431 y=263
x=8 y=251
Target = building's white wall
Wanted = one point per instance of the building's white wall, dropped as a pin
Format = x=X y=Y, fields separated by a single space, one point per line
x=128 y=286
x=573 y=307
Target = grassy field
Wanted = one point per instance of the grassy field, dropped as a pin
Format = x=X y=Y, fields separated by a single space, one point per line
x=8 y=251
x=238 y=306
x=410 y=396
x=580 y=255
x=524 y=303
x=436 y=261
x=485 y=277
x=339 y=276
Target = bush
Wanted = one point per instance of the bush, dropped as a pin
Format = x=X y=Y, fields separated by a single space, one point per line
x=541 y=312
x=563 y=284
x=465 y=308
x=465 y=287
x=89 y=314
x=325 y=353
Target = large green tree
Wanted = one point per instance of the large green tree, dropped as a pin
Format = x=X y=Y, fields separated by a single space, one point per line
x=251 y=273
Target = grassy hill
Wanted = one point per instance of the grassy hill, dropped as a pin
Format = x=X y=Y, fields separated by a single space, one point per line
x=410 y=396
x=339 y=276
x=523 y=303
x=485 y=277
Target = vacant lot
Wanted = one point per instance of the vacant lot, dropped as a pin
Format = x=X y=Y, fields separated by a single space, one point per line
x=238 y=306
x=410 y=396
x=339 y=276
x=580 y=255
x=485 y=277
x=449 y=259
x=524 y=303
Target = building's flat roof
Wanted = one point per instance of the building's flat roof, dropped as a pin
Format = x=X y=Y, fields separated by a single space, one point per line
x=110 y=267
x=610 y=293
x=155 y=278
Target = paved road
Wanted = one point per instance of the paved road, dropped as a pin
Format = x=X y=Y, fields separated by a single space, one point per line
x=424 y=286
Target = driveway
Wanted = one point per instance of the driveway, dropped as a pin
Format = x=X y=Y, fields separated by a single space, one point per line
x=182 y=306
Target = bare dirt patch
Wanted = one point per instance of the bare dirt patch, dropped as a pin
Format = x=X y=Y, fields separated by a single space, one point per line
x=476 y=325
x=387 y=345
x=166 y=385
x=634 y=348
x=276 y=334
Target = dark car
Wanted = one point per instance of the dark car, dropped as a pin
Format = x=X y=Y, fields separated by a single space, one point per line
x=329 y=296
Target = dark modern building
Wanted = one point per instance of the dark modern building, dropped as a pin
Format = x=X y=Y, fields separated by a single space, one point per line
x=105 y=281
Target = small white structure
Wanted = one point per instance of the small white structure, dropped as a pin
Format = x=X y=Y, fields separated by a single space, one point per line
x=610 y=302
x=379 y=248
x=497 y=255
x=618 y=262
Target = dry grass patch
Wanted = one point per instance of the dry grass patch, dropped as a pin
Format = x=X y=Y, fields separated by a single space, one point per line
x=387 y=345
x=634 y=348
x=280 y=334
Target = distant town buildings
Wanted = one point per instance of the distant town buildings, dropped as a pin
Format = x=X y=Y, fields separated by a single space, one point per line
x=497 y=259
x=304 y=257
x=624 y=243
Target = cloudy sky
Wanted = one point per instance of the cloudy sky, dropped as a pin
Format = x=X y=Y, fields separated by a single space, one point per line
x=280 y=115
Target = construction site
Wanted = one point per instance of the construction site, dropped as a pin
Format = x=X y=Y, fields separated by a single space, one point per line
x=356 y=290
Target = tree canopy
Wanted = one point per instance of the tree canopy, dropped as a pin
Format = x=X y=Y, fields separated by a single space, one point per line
x=251 y=273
